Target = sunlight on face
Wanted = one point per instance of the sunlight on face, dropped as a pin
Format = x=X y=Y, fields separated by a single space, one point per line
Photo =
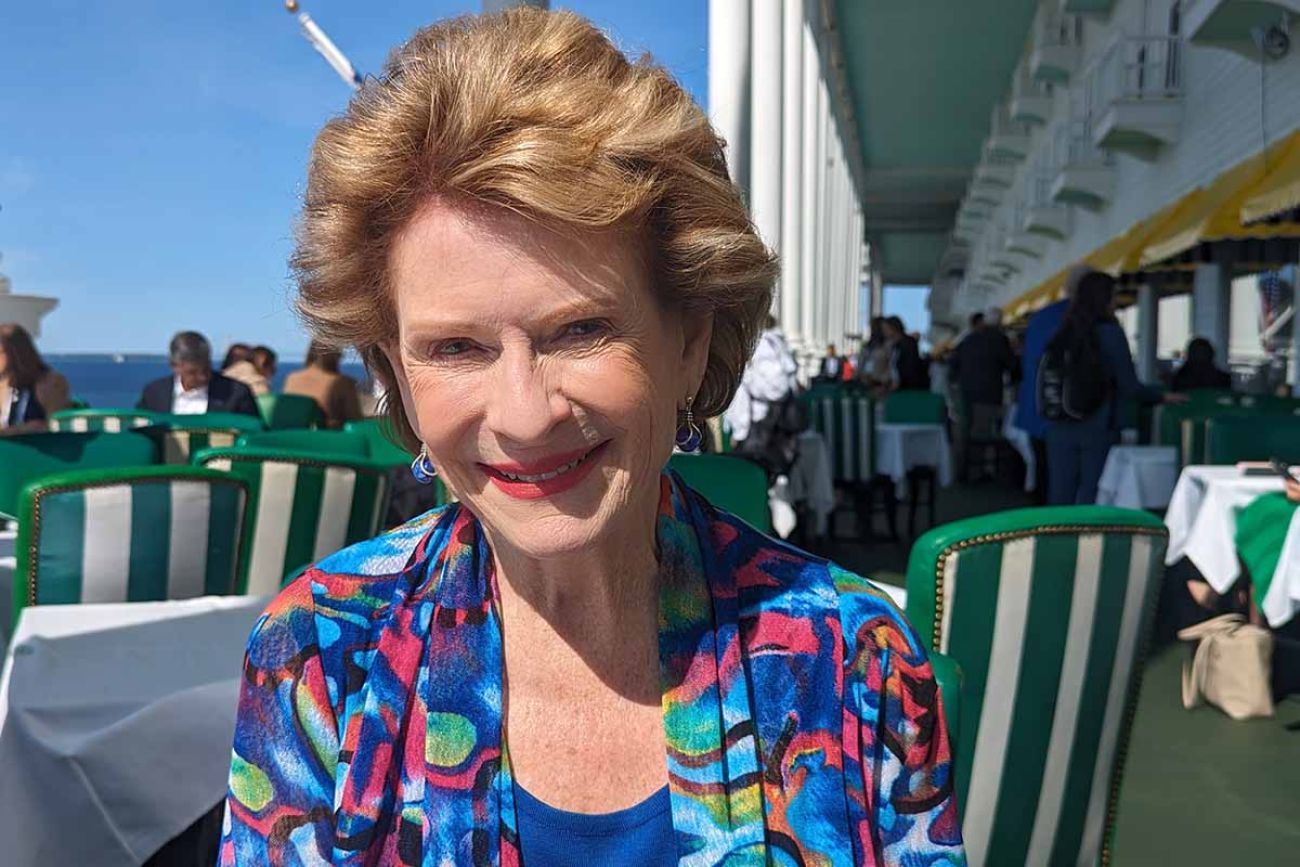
x=541 y=373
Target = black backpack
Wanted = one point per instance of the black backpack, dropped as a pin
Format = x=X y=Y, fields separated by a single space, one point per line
x=1072 y=383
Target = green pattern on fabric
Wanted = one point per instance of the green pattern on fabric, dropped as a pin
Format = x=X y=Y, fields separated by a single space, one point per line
x=151 y=509
x=1262 y=528
x=225 y=516
x=61 y=549
x=979 y=571
x=300 y=548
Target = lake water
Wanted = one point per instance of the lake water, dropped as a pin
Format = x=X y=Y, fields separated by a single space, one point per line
x=103 y=382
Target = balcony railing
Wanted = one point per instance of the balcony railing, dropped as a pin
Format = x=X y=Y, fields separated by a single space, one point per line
x=1139 y=68
x=1073 y=147
x=1057 y=29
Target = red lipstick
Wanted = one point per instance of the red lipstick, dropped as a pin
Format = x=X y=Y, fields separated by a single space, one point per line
x=544 y=478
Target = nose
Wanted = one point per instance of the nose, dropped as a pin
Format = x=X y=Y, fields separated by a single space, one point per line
x=523 y=404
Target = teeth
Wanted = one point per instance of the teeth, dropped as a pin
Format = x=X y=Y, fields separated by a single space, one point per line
x=543 y=477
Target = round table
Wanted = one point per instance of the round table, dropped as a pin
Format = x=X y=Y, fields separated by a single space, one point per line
x=1138 y=477
x=900 y=447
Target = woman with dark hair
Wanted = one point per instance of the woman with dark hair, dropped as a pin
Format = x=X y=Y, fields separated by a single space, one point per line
x=320 y=380
x=29 y=388
x=907 y=370
x=1098 y=363
x=1199 y=370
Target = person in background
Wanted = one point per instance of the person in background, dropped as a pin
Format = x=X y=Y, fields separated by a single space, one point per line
x=832 y=365
x=1199 y=370
x=769 y=379
x=980 y=367
x=873 y=358
x=907 y=371
x=193 y=387
x=30 y=390
x=1076 y=450
x=319 y=379
x=254 y=367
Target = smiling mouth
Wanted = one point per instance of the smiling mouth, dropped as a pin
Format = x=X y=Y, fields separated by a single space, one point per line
x=546 y=477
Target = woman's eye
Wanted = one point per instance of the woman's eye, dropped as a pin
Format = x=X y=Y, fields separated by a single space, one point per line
x=585 y=328
x=451 y=348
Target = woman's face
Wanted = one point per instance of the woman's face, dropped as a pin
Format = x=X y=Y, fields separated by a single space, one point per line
x=541 y=373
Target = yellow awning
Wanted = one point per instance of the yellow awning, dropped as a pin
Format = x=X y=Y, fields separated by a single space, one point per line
x=1279 y=190
x=1213 y=212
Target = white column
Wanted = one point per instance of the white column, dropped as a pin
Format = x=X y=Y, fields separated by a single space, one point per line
x=819 y=216
x=1148 y=324
x=765 y=95
x=811 y=146
x=792 y=90
x=1211 y=290
x=729 y=82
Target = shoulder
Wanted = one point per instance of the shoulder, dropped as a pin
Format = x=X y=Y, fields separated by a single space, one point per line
x=162 y=382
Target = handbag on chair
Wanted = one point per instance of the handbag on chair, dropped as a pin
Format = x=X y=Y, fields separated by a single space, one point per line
x=1230 y=667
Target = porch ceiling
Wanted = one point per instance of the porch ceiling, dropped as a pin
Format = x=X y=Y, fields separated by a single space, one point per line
x=924 y=76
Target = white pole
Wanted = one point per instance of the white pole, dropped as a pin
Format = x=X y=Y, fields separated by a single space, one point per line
x=765 y=93
x=729 y=82
x=1211 y=292
x=808 y=183
x=825 y=149
x=792 y=63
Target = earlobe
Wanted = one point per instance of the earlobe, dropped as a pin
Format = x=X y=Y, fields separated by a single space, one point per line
x=403 y=387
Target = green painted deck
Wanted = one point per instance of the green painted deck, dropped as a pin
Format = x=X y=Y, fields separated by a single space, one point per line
x=1199 y=788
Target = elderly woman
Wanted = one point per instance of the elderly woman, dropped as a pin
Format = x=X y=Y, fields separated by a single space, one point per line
x=535 y=245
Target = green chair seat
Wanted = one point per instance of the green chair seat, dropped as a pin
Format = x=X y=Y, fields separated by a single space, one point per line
x=24 y=457
x=302 y=507
x=335 y=443
x=110 y=420
x=732 y=484
x=128 y=535
x=180 y=436
x=1255 y=437
x=915 y=407
x=1047 y=611
x=288 y=411
x=384 y=447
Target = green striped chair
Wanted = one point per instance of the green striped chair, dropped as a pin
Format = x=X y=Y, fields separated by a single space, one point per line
x=128 y=535
x=845 y=416
x=1047 y=611
x=734 y=484
x=321 y=442
x=384 y=448
x=915 y=407
x=24 y=457
x=1229 y=439
x=180 y=436
x=302 y=507
x=289 y=411
x=110 y=420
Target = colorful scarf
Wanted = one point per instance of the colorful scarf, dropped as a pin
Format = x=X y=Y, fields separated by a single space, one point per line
x=803 y=724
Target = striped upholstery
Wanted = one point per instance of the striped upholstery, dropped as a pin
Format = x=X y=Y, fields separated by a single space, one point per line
x=845 y=417
x=128 y=535
x=1047 y=611
x=317 y=442
x=180 y=436
x=110 y=420
x=24 y=457
x=301 y=507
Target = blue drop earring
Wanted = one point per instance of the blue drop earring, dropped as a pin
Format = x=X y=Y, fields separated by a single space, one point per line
x=688 y=437
x=422 y=468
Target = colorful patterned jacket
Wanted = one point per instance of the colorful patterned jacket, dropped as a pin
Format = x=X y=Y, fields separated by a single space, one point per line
x=802 y=721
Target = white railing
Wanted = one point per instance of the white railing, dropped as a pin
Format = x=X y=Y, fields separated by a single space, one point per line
x=1055 y=28
x=1025 y=86
x=1137 y=68
x=1002 y=124
x=1073 y=146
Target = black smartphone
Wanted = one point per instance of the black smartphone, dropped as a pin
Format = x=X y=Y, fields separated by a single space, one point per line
x=1283 y=470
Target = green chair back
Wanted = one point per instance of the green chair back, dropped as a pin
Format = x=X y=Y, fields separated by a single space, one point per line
x=1183 y=425
x=1229 y=439
x=302 y=507
x=180 y=436
x=383 y=442
x=110 y=420
x=915 y=407
x=24 y=457
x=732 y=484
x=336 y=443
x=128 y=535
x=288 y=411
x=845 y=416
x=1047 y=611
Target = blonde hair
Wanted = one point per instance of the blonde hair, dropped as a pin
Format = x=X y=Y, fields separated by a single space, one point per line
x=537 y=113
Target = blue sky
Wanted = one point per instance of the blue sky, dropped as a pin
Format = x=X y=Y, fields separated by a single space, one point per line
x=153 y=153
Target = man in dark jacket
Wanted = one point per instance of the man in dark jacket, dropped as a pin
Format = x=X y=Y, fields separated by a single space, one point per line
x=979 y=367
x=193 y=387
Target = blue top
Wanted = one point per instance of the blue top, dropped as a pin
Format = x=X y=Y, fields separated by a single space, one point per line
x=640 y=836
x=1039 y=332
x=1118 y=363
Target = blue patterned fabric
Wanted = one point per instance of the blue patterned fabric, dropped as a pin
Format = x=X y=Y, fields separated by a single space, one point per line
x=802 y=721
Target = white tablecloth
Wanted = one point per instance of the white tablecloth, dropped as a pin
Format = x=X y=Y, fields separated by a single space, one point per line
x=1202 y=519
x=900 y=447
x=1138 y=477
x=115 y=725
x=811 y=482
